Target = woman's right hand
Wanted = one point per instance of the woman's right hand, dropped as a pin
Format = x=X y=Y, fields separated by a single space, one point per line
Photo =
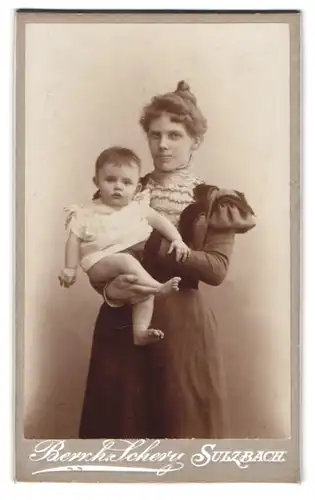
x=125 y=288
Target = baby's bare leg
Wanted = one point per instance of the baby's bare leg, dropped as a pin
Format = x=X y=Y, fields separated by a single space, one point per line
x=141 y=319
x=122 y=263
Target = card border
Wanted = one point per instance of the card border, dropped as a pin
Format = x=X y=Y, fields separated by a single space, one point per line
x=290 y=470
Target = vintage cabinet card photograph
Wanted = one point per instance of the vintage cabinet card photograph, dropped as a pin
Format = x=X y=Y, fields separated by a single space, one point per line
x=157 y=215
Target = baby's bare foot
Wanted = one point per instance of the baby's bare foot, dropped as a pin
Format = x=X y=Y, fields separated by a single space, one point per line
x=171 y=285
x=148 y=337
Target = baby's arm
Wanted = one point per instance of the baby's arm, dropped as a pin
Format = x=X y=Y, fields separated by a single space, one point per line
x=169 y=231
x=163 y=225
x=72 y=251
x=68 y=275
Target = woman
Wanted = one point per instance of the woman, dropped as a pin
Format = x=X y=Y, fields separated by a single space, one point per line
x=173 y=388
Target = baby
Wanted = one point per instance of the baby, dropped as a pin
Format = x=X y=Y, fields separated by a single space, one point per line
x=103 y=232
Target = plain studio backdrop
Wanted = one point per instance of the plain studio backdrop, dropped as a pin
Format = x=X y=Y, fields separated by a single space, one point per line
x=85 y=88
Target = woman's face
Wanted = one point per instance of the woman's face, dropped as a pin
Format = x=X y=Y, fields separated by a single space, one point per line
x=170 y=144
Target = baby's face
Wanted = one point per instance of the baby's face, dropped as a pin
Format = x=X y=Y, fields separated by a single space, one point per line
x=117 y=183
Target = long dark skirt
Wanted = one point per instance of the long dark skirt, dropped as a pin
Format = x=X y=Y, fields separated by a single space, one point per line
x=170 y=389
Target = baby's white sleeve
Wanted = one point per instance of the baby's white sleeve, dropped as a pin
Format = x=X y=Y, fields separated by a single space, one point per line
x=74 y=220
x=143 y=200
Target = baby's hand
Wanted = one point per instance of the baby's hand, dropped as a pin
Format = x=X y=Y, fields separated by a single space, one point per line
x=181 y=249
x=67 y=277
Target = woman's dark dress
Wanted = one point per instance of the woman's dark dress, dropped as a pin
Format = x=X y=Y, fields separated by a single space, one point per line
x=173 y=388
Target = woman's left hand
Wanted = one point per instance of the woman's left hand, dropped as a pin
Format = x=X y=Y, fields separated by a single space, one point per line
x=181 y=249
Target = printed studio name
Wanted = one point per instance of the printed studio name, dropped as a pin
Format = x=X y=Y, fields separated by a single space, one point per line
x=144 y=454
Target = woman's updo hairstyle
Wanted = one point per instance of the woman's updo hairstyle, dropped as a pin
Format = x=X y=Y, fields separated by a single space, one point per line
x=182 y=107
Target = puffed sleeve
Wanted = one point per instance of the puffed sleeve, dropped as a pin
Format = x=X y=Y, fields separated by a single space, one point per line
x=209 y=226
x=224 y=209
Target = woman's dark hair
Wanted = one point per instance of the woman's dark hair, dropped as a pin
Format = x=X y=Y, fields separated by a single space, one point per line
x=115 y=155
x=182 y=107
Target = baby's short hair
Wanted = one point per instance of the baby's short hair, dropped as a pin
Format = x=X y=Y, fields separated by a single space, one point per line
x=116 y=155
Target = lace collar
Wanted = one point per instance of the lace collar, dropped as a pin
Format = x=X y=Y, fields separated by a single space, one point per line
x=180 y=176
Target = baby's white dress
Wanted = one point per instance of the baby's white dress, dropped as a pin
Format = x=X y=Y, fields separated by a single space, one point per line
x=102 y=233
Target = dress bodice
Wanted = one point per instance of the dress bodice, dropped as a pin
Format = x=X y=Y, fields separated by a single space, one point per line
x=186 y=198
x=170 y=199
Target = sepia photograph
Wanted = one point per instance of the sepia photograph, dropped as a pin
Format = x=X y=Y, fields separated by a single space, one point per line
x=156 y=171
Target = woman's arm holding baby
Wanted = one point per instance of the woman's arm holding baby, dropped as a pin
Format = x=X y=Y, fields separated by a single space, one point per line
x=126 y=288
